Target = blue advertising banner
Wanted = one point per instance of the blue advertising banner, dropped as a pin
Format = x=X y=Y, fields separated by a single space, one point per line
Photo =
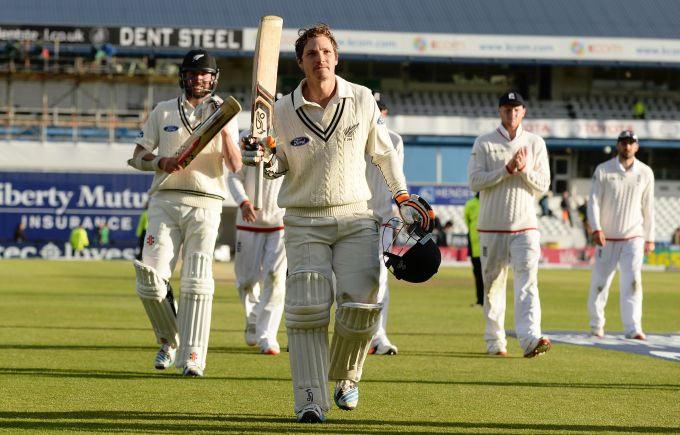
x=452 y=194
x=51 y=204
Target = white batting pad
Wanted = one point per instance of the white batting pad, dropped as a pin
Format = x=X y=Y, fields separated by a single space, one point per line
x=195 y=310
x=355 y=325
x=308 y=303
x=152 y=290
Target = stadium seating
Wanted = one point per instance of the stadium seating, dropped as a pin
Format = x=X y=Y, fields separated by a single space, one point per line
x=483 y=104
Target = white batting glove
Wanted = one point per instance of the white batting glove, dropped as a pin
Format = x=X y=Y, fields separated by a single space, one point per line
x=254 y=151
x=413 y=208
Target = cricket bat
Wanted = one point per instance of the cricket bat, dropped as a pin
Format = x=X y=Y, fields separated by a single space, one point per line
x=265 y=66
x=203 y=134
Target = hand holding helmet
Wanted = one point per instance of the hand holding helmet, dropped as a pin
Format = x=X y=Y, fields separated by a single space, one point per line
x=413 y=209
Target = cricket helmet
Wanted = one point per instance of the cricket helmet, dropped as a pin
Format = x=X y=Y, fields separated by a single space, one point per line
x=198 y=61
x=416 y=258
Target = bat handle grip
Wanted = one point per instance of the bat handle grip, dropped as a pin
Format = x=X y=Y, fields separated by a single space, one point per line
x=258 y=187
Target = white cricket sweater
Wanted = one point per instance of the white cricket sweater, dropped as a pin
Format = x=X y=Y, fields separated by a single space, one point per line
x=242 y=187
x=382 y=202
x=622 y=202
x=507 y=200
x=201 y=184
x=321 y=151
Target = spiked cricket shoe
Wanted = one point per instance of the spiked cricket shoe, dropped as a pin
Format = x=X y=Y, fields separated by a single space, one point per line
x=541 y=347
x=165 y=357
x=311 y=413
x=346 y=394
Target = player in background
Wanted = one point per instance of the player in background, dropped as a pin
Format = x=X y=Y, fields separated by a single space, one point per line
x=509 y=167
x=382 y=204
x=324 y=129
x=621 y=214
x=184 y=216
x=260 y=263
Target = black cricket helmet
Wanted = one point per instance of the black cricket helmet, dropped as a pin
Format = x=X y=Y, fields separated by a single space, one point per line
x=413 y=254
x=198 y=61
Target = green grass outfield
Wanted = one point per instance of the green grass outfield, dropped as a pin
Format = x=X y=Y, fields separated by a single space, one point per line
x=76 y=354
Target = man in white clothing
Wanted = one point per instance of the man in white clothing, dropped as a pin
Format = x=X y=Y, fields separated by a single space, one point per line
x=383 y=206
x=509 y=167
x=260 y=263
x=324 y=129
x=621 y=214
x=184 y=216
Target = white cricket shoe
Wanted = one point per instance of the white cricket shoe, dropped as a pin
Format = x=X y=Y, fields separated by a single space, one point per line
x=383 y=348
x=269 y=347
x=496 y=349
x=346 y=394
x=597 y=332
x=192 y=371
x=637 y=336
x=249 y=334
x=311 y=413
x=165 y=357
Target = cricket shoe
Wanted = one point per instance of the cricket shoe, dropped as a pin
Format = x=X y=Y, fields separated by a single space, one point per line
x=269 y=348
x=497 y=350
x=541 y=347
x=346 y=394
x=192 y=371
x=637 y=336
x=597 y=332
x=311 y=413
x=250 y=334
x=383 y=348
x=165 y=357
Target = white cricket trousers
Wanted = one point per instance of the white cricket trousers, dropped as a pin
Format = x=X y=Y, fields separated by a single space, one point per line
x=522 y=251
x=387 y=233
x=342 y=247
x=173 y=226
x=628 y=255
x=260 y=267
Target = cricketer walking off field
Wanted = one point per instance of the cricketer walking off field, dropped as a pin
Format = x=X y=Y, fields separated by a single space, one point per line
x=509 y=167
x=260 y=263
x=184 y=216
x=621 y=214
x=324 y=129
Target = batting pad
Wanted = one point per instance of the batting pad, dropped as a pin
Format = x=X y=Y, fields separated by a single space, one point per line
x=195 y=310
x=152 y=290
x=355 y=325
x=308 y=304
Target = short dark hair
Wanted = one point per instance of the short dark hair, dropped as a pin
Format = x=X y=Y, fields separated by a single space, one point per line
x=382 y=106
x=305 y=35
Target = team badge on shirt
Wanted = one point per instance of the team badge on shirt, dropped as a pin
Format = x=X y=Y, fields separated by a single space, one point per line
x=299 y=141
x=349 y=131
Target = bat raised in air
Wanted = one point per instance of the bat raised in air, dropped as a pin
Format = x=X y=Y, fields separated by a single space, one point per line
x=203 y=134
x=265 y=66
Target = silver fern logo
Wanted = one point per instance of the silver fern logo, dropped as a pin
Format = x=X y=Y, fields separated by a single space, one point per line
x=349 y=131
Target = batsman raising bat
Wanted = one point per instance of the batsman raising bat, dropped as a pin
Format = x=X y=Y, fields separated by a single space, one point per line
x=323 y=130
x=184 y=209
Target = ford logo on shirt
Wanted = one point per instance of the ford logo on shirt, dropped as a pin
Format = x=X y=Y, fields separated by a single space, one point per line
x=170 y=128
x=299 y=141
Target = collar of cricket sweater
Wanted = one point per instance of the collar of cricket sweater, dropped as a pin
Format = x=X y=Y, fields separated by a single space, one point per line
x=503 y=132
x=342 y=90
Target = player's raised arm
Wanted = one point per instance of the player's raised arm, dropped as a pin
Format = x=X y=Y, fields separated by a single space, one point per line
x=536 y=174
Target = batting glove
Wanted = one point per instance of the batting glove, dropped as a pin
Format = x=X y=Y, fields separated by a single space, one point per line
x=254 y=150
x=415 y=209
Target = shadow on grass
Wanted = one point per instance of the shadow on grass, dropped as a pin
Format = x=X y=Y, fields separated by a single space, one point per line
x=108 y=374
x=88 y=347
x=170 y=422
x=101 y=328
